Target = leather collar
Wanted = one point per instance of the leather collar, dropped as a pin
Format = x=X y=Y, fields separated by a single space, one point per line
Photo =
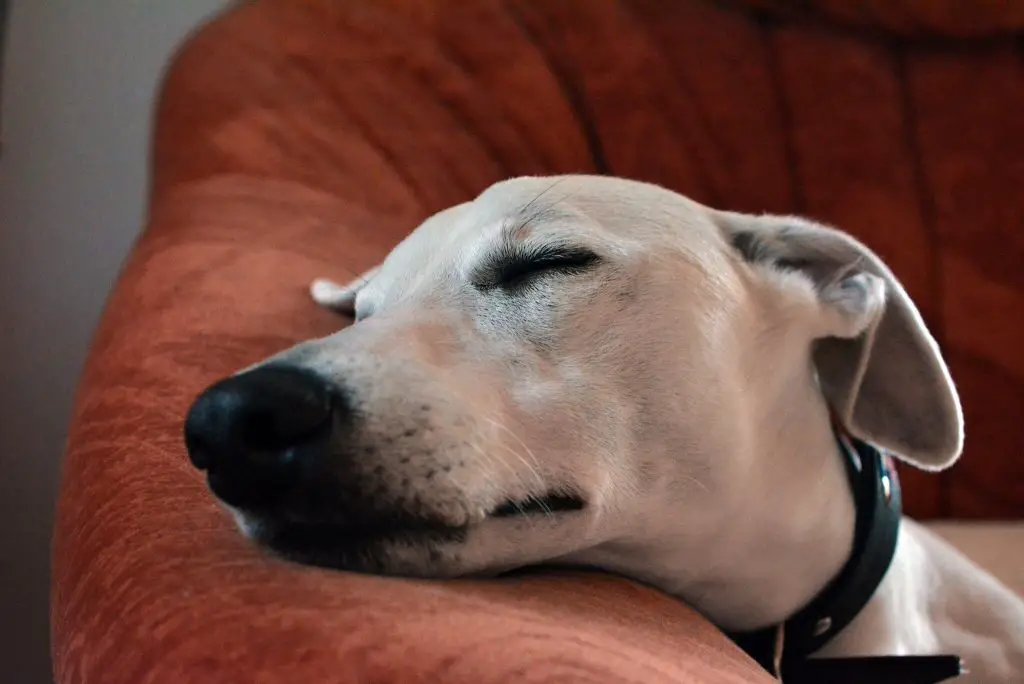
x=876 y=493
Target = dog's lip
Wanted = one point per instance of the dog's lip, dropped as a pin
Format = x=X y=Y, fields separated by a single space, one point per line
x=347 y=547
x=313 y=533
x=549 y=504
x=328 y=534
x=304 y=538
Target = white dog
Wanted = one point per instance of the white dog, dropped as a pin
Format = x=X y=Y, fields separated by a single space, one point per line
x=594 y=371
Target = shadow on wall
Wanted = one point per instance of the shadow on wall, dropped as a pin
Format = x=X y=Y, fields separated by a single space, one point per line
x=77 y=87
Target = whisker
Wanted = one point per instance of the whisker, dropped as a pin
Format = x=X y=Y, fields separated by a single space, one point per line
x=533 y=202
x=692 y=479
x=534 y=467
x=531 y=211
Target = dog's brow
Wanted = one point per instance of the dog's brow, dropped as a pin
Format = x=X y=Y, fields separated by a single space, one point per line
x=533 y=212
x=533 y=202
x=520 y=226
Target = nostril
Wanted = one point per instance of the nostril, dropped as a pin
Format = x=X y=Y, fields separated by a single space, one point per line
x=279 y=417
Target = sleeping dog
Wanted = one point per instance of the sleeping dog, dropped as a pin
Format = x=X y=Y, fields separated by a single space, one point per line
x=592 y=371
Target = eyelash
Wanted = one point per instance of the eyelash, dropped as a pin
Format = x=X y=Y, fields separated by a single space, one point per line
x=517 y=269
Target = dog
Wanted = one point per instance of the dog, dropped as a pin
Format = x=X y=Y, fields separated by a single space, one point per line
x=595 y=371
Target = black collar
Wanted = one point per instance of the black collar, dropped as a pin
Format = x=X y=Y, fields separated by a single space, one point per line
x=876 y=493
x=877 y=497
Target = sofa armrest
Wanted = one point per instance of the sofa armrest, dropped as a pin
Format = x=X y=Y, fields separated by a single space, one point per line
x=296 y=140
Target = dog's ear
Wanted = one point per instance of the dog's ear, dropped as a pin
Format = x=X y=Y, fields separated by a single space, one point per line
x=877 y=364
x=340 y=298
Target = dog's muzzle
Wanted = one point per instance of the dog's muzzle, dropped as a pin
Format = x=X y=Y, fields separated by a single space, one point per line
x=288 y=451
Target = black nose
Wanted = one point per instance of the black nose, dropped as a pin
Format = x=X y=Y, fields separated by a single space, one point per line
x=251 y=432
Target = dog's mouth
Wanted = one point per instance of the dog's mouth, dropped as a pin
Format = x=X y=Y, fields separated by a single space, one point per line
x=346 y=546
x=539 y=505
x=308 y=534
x=367 y=546
x=317 y=533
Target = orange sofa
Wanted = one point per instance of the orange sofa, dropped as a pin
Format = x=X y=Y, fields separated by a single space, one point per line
x=303 y=138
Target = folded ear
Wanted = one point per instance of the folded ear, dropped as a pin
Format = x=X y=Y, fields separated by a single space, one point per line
x=877 y=364
x=340 y=298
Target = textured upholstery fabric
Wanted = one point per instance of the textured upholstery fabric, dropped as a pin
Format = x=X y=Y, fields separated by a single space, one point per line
x=297 y=139
x=920 y=19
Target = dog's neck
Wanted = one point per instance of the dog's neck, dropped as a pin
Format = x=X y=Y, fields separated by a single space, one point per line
x=788 y=537
x=799 y=523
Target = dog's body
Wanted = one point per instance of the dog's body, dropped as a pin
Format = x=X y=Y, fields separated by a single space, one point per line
x=596 y=371
x=934 y=600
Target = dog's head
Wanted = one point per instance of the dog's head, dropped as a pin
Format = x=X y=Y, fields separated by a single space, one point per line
x=574 y=369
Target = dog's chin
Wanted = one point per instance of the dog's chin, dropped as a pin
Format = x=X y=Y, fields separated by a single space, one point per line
x=414 y=550
x=401 y=547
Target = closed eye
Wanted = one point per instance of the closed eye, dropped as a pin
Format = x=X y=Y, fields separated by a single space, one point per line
x=517 y=267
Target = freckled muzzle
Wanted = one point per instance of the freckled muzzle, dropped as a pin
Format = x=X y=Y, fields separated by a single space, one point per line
x=322 y=479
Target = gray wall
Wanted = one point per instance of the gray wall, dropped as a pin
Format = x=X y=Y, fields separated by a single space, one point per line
x=79 y=79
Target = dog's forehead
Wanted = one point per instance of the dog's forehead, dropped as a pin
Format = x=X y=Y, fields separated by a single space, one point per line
x=620 y=208
x=619 y=215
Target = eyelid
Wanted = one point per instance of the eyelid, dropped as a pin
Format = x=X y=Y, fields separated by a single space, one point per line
x=518 y=263
x=553 y=253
